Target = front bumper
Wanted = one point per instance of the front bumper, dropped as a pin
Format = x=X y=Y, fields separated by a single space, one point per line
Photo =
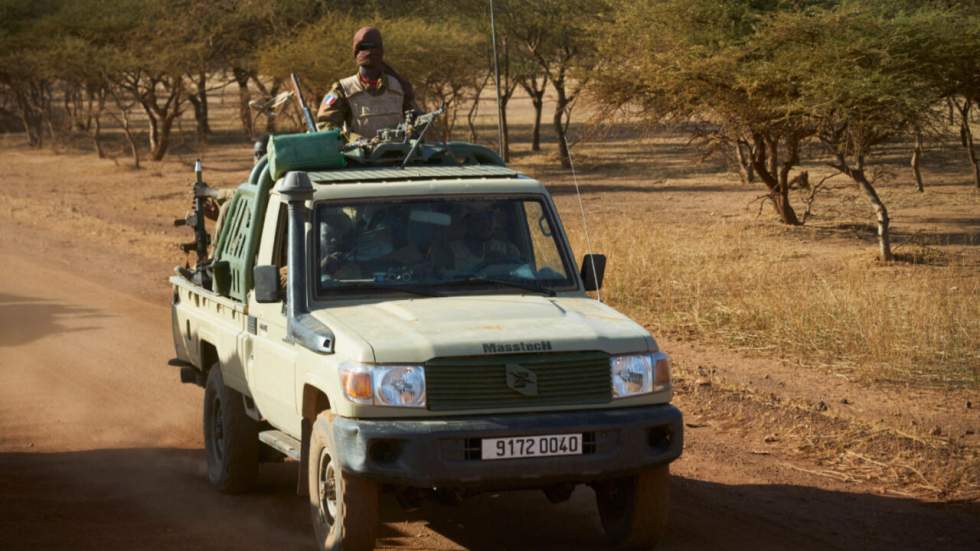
x=446 y=452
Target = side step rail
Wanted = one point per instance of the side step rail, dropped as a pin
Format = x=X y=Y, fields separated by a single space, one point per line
x=281 y=442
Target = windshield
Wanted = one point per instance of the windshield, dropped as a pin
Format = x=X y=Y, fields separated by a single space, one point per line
x=440 y=244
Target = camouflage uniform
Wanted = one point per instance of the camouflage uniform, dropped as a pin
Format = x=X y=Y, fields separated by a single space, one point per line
x=361 y=107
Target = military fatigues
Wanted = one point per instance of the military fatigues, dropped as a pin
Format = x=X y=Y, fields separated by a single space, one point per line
x=361 y=107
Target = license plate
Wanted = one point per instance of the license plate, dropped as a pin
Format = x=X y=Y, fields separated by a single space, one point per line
x=531 y=446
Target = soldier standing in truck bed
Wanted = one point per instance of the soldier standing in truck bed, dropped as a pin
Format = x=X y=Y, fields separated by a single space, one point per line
x=376 y=97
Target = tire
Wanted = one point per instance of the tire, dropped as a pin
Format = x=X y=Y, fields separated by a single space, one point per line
x=231 y=437
x=634 y=510
x=348 y=521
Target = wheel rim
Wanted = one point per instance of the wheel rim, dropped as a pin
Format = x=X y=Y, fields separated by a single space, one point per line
x=327 y=489
x=217 y=429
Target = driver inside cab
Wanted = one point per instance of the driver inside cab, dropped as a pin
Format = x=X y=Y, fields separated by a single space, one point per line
x=479 y=246
x=336 y=243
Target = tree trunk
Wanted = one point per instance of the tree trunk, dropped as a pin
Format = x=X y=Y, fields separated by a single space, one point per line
x=777 y=182
x=745 y=170
x=881 y=213
x=130 y=138
x=96 y=106
x=97 y=135
x=30 y=118
x=916 y=158
x=71 y=116
x=558 y=120
x=783 y=208
x=538 y=103
x=153 y=127
x=563 y=155
x=199 y=100
x=163 y=141
x=24 y=114
x=244 y=97
x=127 y=127
x=506 y=130
x=966 y=134
x=473 y=111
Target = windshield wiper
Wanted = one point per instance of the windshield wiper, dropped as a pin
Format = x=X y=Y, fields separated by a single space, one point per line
x=373 y=285
x=504 y=282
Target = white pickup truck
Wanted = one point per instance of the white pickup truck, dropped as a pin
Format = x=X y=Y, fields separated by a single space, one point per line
x=418 y=329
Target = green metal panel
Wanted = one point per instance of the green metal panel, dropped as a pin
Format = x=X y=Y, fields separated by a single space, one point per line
x=241 y=229
x=480 y=382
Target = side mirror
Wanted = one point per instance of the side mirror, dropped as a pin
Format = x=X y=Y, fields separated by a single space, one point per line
x=593 y=270
x=222 y=277
x=267 y=284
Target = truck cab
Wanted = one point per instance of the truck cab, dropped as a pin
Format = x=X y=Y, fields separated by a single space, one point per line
x=416 y=329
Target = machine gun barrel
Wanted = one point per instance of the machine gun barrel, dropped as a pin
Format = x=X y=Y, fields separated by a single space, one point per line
x=303 y=108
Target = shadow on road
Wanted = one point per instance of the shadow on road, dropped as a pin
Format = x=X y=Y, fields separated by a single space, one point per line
x=160 y=499
x=25 y=319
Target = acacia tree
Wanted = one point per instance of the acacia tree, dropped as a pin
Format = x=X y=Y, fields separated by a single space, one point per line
x=25 y=74
x=559 y=37
x=711 y=67
x=151 y=61
x=860 y=86
x=961 y=68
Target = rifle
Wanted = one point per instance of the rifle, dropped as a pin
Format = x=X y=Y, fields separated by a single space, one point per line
x=195 y=219
x=303 y=108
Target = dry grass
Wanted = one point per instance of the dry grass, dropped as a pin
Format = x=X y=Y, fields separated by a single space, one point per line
x=848 y=451
x=743 y=284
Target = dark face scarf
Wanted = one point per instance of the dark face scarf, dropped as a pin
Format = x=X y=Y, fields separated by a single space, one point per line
x=369 y=48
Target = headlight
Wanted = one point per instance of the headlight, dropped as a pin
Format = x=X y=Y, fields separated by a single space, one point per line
x=636 y=374
x=384 y=385
x=399 y=385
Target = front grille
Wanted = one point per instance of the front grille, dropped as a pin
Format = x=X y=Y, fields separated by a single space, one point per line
x=563 y=379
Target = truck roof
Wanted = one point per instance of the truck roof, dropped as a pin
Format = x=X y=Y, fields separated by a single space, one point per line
x=395 y=174
x=517 y=184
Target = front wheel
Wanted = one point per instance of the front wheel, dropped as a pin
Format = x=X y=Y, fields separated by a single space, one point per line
x=343 y=507
x=633 y=510
x=231 y=437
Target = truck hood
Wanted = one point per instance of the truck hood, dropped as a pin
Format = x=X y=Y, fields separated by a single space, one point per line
x=416 y=330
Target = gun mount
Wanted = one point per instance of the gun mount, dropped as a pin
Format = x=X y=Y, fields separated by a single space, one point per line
x=405 y=145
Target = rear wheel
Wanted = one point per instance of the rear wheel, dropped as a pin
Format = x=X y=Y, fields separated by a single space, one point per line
x=343 y=507
x=231 y=437
x=634 y=509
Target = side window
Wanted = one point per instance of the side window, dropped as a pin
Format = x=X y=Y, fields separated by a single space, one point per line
x=546 y=255
x=281 y=247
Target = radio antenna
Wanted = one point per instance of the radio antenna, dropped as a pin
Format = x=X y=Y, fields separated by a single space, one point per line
x=585 y=223
x=501 y=146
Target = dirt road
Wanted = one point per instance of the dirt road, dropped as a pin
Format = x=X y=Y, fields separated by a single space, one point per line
x=100 y=448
